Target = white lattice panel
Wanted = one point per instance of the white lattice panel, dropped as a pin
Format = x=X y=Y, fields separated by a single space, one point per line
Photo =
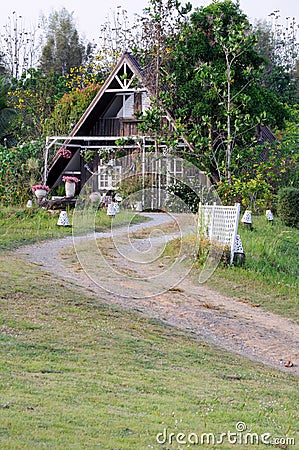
x=219 y=224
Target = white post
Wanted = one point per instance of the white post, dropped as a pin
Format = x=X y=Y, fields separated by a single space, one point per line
x=46 y=160
x=235 y=232
x=143 y=170
x=211 y=227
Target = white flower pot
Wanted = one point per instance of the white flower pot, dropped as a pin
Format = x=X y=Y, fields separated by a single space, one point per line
x=40 y=193
x=70 y=188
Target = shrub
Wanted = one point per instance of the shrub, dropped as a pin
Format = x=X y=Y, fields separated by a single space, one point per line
x=69 y=109
x=288 y=206
x=20 y=168
x=252 y=193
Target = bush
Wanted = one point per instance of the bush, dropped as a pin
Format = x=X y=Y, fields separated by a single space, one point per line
x=288 y=206
x=20 y=167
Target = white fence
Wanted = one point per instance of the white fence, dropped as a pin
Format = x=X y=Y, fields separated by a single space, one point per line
x=219 y=224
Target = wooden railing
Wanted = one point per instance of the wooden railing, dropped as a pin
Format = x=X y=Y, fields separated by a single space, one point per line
x=115 y=127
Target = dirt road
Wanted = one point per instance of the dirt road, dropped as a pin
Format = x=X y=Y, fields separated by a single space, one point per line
x=141 y=281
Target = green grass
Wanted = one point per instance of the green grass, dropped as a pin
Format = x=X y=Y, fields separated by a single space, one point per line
x=270 y=276
x=77 y=374
x=25 y=226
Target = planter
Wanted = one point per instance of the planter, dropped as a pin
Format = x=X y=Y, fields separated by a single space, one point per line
x=40 y=193
x=70 y=188
x=139 y=206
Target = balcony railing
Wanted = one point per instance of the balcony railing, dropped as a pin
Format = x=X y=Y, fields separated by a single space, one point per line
x=115 y=127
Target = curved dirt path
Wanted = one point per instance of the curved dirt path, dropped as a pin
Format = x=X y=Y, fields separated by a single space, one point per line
x=225 y=322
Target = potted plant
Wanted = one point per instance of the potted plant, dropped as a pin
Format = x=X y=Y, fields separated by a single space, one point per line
x=40 y=191
x=64 y=153
x=70 y=185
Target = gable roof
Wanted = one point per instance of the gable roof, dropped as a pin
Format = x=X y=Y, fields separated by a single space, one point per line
x=122 y=79
x=126 y=59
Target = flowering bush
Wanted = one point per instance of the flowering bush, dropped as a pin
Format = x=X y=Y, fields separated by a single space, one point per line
x=69 y=109
x=40 y=186
x=70 y=179
x=64 y=152
x=255 y=193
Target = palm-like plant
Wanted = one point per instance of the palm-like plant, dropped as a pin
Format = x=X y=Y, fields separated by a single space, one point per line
x=6 y=114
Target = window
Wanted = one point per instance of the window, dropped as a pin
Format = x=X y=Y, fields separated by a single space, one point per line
x=108 y=177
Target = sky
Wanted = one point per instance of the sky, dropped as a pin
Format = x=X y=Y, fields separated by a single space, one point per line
x=89 y=15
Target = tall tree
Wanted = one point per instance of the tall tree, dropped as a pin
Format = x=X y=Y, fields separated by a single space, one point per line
x=161 y=22
x=277 y=43
x=63 y=48
x=19 y=46
x=216 y=90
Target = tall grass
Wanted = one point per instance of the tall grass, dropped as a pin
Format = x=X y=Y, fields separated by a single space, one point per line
x=270 y=276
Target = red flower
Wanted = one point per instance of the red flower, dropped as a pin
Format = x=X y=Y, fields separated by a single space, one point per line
x=65 y=153
x=70 y=179
x=40 y=186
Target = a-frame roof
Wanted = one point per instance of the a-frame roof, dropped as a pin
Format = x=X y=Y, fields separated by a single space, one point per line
x=126 y=60
x=126 y=77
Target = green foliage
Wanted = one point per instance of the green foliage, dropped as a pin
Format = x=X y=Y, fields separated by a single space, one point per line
x=182 y=197
x=7 y=114
x=34 y=97
x=288 y=206
x=214 y=75
x=252 y=193
x=20 y=167
x=69 y=109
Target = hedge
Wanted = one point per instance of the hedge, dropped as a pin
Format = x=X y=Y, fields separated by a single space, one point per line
x=288 y=206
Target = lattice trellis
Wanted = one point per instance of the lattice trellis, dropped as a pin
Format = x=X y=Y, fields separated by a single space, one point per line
x=219 y=224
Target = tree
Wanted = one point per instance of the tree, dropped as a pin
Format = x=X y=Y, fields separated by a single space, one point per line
x=278 y=46
x=161 y=22
x=19 y=46
x=63 y=48
x=19 y=167
x=69 y=109
x=117 y=34
x=215 y=86
x=2 y=64
x=34 y=97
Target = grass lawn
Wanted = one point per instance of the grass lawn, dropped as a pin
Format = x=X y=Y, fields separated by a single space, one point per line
x=270 y=276
x=25 y=226
x=78 y=374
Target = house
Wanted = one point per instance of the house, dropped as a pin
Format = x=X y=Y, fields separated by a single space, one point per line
x=109 y=129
